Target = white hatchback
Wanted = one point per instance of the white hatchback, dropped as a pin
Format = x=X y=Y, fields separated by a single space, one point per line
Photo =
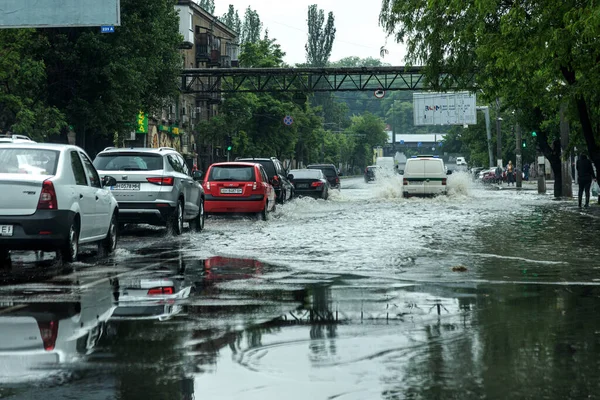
x=425 y=176
x=52 y=199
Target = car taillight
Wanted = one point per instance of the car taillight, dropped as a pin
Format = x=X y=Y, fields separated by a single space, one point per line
x=443 y=181
x=337 y=180
x=47 y=197
x=162 y=180
x=207 y=185
x=254 y=185
x=161 y=290
x=276 y=181
x=316 y=184
x=48 y=332
x=405 y=181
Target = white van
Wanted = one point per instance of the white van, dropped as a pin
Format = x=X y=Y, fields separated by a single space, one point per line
x=425 y=176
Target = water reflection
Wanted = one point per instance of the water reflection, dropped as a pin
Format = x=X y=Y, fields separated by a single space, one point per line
x=39 y=340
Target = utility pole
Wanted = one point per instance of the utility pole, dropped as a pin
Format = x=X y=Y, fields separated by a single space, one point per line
x=519 y=155
x=498 y=134
x=488 y=130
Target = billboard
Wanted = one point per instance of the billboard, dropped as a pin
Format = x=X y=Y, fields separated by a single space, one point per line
x=59 y=13
x=452 y=108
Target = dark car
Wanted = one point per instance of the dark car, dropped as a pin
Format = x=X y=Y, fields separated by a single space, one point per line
x=310 y=182
x=370 y=173
x=277 y=175
x=331 y=172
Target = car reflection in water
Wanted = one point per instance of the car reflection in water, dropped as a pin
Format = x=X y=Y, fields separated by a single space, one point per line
x=38 y=340
x=155 y=295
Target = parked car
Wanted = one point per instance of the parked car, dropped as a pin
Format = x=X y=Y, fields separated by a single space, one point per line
x=425 y=176
x=370 y=173
x=238 y=187
x=310 y=182
x=331 y=172
x=15 y=139
x=277 y=175
x=154 y=186
x=53 y=199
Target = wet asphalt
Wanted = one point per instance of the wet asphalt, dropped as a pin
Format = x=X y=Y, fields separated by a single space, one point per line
x=485 y=294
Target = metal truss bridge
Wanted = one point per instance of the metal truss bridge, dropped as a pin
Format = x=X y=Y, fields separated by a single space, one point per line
x=211 y=81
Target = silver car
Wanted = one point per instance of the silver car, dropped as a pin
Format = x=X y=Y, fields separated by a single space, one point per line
x=154 y=186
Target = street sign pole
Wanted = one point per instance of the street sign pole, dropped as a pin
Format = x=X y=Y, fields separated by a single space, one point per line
x=519 y=155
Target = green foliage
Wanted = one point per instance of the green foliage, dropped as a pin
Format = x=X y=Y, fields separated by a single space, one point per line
x=251 y=27
x=367 y=131
x=23 y=101
x=320 y=37
x=208 y=5
x=232 y=19
x=533 y=55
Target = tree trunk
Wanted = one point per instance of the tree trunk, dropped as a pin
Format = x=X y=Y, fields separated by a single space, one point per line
x=553 y=156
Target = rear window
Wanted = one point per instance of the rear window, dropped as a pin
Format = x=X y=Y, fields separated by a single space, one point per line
x=128 y=162
x=306 y=173
x=329 y=172
x=28 y=161
x=232 y=173
x=434 y=167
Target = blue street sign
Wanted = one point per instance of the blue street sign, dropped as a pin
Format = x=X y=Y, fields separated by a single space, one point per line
x=107 y=29
x=288 y=120
x=402 y=142
x=419 y=144
x=440 y=144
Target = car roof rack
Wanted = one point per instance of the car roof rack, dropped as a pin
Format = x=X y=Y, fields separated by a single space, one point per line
x=166 y=148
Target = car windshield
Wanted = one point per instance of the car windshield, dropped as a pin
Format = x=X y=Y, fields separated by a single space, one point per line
x=232 y=173
x=28 y=161
x=128 y=162
x=306 y=173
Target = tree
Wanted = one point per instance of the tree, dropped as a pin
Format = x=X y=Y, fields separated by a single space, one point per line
x=252 y=27
x=320 y=38
x=232 y=19
x=534 y=55
x=23 y=89
x=208 y=5
x=102 y=81
x=368 y=132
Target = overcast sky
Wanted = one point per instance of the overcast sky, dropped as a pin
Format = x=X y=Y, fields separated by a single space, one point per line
x=357 y=23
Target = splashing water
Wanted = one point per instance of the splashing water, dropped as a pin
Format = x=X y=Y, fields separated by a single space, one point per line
x=459 y=184
x=389 y=186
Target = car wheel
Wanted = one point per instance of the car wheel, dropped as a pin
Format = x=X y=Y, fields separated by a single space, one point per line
x=198 y=222
x=5 y=261
x=70 y=250
x=326 y=195
x=109 y=243
x=264 y=214
x=175 y=224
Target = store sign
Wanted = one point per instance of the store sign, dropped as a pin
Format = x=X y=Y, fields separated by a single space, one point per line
x=142 y=123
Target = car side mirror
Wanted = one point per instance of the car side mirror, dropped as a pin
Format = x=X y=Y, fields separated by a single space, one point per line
x=108 y=181
x=197 y=175
x=401 y=171
x=449 y=172
x=340 y=174
x=290 y=177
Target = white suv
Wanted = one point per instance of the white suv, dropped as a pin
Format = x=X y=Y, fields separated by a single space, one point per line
x=425 y=176
x=52 y=199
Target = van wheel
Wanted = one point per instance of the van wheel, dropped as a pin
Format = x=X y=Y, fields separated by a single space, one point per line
x=405 y=195
x=5 y=261
x=70 y=249
x=109 y=243
x=175 y=223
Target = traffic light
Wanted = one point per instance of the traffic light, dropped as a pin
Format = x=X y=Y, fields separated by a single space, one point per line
x=229 y=143
x=523 y=143
x=534 y=134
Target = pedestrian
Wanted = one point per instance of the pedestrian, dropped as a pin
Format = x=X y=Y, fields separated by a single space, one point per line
x=585 y=175
x=510 y=173
x=498 y=175
x=526 y=171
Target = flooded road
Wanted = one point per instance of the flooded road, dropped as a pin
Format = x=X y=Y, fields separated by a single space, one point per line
x=484 y=294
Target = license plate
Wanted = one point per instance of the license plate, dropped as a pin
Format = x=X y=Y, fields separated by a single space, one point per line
x=231 y=191
x=6 y=230
x=302 y=186
x=126 y=186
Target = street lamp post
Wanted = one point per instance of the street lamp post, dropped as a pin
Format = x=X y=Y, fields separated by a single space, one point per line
x=519 y=156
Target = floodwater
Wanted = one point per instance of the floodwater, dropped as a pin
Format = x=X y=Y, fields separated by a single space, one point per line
x=483 y=294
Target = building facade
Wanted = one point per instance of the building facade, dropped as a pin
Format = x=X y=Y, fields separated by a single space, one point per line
x=207 y=43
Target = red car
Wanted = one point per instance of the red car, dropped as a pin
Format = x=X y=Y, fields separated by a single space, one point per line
x=238 y=187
